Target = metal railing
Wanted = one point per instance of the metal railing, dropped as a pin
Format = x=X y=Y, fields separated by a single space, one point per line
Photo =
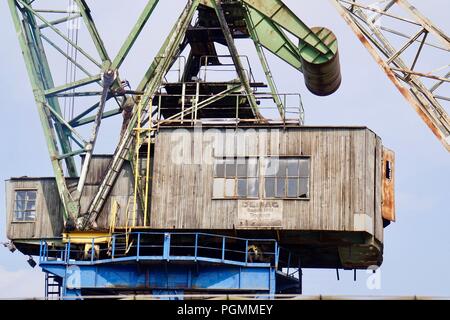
x=177 y=70
x=226 y=66
x=153 y=246
x=292 y=110
x=223 y=67
x=289 y=263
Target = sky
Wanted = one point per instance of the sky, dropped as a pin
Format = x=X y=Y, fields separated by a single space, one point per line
x=416 y=247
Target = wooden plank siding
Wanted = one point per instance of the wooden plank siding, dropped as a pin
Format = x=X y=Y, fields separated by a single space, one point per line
x=345 y=177
x=48 y=223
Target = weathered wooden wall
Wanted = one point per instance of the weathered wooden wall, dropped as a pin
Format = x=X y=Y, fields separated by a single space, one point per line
x=345 y=178
x=48 y=221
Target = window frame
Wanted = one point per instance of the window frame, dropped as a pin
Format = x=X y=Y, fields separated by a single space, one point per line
x=286 y=178
x=236 y=178
x=14 y=207
x=261 y=178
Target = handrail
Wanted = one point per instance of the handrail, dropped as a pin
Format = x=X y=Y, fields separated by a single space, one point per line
x=203 y=63
x=203 y=246
x=292 y=110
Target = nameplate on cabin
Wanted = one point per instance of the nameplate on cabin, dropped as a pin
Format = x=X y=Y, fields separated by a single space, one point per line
x=260 y=213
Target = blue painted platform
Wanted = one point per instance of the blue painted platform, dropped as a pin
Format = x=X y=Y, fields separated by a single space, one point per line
x=161 y=263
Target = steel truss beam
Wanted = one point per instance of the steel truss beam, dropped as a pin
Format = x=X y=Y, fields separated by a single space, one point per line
x=367 y=23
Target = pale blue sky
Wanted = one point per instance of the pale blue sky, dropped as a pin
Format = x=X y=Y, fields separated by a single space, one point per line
x=417 y=247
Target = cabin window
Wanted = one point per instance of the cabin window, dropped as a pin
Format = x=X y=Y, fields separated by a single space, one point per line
x=287 y=177
x=388 y=170
x=236 y=178
x=25 y=206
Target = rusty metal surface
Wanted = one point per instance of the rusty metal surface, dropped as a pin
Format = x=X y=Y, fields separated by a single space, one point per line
x=409 y=82
x=388 y=185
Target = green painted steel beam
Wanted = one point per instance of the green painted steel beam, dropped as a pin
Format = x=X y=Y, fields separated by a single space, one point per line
x=84 y=113
x=78 y=143
x=70 y=208
x=90 y=25
x=134 y=34
x=33 y=34
x=63 y=122
x=263 y=31
x=278 y=12
x=91 y=119
x=269 y=18
x=71 y=154
x=61 y=20
x=61 y=51
x=264 y=64
x=58 y=32
x=73 y=85
x=235 y=56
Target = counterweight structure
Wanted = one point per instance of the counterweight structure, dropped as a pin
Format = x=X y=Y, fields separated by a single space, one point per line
x=215 y=184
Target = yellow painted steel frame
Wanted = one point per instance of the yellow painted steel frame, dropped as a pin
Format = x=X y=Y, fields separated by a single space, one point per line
x=113 y=217
x=137 y=171
x=81 y=237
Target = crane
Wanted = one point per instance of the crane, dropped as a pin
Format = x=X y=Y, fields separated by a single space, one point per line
x=72 y=112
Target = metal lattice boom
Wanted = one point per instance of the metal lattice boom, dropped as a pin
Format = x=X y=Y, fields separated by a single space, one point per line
x=399 y=38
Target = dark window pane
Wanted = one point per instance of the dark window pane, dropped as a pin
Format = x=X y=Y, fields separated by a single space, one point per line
x=253 y=187
x=292 y=187
x=281 y=188
x=242 y=188
x=304 y=188
x=219 y=169
x=269 y=187
x=293 y=167
x=29 y=216
x=241 y=168
x=282 y=166
x=31 y=195
x=31 y=205
x=21 y=195
x=18 y=215
x=230 y=169
x=304 y=168
x=388 y=170
x=20 y=205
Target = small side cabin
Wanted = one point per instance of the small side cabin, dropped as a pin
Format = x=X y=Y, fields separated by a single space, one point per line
x=325 y=193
